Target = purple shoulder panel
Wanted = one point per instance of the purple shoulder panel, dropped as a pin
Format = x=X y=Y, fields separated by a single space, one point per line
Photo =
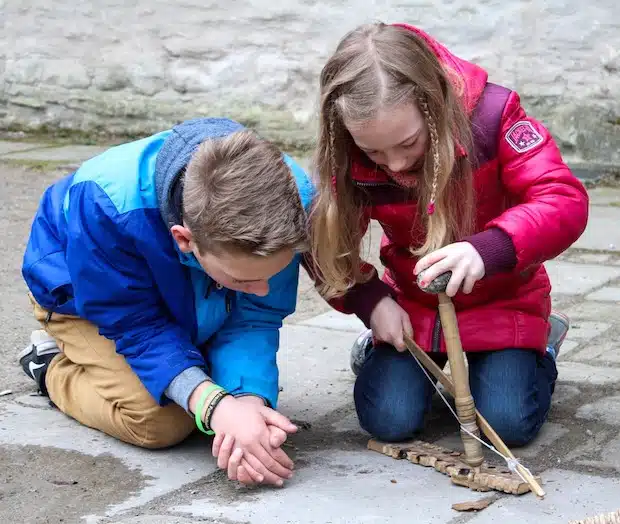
x=486 y=122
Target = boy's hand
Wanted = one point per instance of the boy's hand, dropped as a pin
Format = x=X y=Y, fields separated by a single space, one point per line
x=389 y=322
x=245 y=474
x=278 y=434
x=244 y=441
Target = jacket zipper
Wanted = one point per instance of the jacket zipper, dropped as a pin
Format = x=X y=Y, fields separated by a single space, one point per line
x=228 y=302
x=227 y=299
x=209 y=288
x=437 y=334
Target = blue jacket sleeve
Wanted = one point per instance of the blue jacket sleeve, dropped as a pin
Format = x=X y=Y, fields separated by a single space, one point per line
x=243 y=354
x=115 y=290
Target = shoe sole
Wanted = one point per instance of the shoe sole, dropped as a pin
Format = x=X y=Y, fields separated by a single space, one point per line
x=25 y=352
x=28 y=350
x=562 y=319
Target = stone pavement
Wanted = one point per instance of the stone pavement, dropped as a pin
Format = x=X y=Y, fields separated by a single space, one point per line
x=57 y=471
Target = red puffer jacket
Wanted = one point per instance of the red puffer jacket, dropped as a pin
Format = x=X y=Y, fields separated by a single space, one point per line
x=530 y=208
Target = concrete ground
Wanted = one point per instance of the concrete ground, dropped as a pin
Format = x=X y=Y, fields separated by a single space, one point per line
x=54 y=470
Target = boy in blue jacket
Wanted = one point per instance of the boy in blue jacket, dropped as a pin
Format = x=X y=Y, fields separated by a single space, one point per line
x=161 y=271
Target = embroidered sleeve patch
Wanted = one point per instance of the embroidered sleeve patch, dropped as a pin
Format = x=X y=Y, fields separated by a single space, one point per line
x=522 y=137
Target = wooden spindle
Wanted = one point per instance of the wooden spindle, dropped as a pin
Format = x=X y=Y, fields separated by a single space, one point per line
x=463 y=400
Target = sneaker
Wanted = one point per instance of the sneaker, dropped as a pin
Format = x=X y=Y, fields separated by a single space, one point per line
x=359 y=351
x=36 y=358
x=559 y=328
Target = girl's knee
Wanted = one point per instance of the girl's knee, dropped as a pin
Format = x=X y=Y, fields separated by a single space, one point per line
x=513 y=427
x=393 y=433
x=387 y=418
x=391 y=396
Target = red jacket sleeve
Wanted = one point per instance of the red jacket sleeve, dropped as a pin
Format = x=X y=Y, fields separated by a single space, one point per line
x=549 y=205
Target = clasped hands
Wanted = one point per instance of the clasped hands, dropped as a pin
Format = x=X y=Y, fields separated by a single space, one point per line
x=248 y=441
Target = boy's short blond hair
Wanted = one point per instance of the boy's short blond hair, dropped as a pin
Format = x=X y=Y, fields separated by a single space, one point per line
x=240 y=195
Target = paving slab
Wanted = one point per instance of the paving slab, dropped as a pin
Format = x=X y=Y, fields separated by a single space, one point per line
x=6 y=146
x=598 y=349
x=547 y=437
x=590 y=258
x=570 y=496
x=568 y=347
x=577 y=372
x=595 y=311
x=346 y=488
x=315 y=376
x=161 y=472
x=611 y=453
x=604 y=196
x=77 y=153
x=155 y=519
x=586 y=330
x=602 y=232
x=606 y=294
x=64 y=484
x=348 y=424
x=565 y=394
x=598 y=352
x=575 y=279
x=589 y=448
x=602 y=452
x=606 y=409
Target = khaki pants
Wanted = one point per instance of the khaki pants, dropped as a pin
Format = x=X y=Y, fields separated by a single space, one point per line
x=93 y=384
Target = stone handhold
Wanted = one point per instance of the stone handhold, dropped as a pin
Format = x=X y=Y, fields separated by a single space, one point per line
x=438 y=285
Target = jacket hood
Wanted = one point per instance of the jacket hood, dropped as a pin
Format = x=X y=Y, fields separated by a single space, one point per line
x=176 y=153
x=468 y=79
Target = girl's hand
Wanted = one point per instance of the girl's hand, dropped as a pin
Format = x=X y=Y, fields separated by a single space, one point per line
x=461 y=258
x=389 y=321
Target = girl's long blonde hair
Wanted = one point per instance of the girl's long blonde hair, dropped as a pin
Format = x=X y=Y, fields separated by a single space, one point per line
x=377 y=66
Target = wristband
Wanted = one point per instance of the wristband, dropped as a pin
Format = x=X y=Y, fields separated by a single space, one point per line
x=211 y=408
x=201 y=404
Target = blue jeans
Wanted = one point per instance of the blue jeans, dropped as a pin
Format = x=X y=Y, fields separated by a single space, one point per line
x=512 y=389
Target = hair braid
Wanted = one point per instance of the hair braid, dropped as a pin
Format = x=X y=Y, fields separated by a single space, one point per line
x=432 y=128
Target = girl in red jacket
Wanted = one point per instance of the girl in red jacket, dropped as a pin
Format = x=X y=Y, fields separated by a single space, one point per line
x=461 y=179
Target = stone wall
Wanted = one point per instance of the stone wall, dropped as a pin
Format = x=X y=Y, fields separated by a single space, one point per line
x=104 y=65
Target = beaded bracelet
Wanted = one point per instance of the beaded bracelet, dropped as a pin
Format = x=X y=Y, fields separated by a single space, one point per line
x=211 y=408
x=201 y=404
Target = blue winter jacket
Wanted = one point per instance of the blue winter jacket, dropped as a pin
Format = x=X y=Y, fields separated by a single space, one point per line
x=100 y=248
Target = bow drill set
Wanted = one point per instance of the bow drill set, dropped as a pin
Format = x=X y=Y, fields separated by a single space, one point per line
x=469 y=468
